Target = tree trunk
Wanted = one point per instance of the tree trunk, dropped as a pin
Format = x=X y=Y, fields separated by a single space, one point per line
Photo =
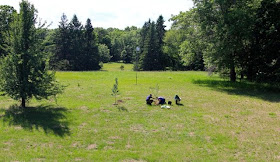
x=23 y=102
x=232 y=74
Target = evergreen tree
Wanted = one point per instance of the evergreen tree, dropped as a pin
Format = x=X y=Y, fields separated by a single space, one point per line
x=143 y=33
x=160 y=30
x=149 y=57
x=24 y=72
x=76 y=45
x=91 y=58
x=62 y=43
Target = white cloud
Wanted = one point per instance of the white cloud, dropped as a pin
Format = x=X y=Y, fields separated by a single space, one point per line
x=107 y=13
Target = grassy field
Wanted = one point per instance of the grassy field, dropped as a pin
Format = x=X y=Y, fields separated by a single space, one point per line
x=218 y=121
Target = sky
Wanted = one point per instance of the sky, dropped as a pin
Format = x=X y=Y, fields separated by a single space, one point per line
x=107 y=13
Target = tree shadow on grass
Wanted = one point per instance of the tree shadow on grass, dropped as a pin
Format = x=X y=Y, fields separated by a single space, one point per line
x=263 y=91
x=50 y=119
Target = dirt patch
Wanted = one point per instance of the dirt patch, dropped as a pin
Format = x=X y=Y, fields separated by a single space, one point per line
x=108 y=147
x=191 y=134
x=92 y=146
x=133 y=160
x=105 y=110
x=120 y=101
x=79 y=159
x=180 y=126
x=110 y=142
x=208 y=138
x=76 y=144
x=82 y=125
x=84 y=108
x=114 y=137
x=128 y=146
x=137 y=128
x=8 y=143
x=128 y=98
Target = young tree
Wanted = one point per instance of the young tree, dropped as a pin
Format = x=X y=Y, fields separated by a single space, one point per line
x=115 y=90
x=24 y=72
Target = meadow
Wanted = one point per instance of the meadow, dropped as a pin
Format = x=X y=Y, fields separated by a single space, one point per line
x=217 y=121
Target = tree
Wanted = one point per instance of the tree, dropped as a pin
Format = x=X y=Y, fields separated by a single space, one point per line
x=183 y=42
x=263 y=63
x=104 y=53
x=115 y=90
x=90 y=58
x=76 y=45
x=160 y=33
x=61 y=58
x=149 y=57
x=226 y=26
x=6 y=18
x=24 y=72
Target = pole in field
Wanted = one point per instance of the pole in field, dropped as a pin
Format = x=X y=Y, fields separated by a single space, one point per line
x=137 y=59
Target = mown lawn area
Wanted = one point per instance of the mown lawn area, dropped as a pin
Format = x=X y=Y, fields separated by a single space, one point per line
x=218 y=121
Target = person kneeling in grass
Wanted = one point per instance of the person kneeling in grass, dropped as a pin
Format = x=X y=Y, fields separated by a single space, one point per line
x=160 y=101
x=149 y=100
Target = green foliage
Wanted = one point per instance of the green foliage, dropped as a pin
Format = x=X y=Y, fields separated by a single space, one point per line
x=152 y=56
x=183 y=42
x=263 y=64
x=90 y=58
x=242 y=36
x=115 y=90
x=104 y=53
x=24 y=71
x=6 y=18
x=76 y=46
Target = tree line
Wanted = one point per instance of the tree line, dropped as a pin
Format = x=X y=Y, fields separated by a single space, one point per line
x=238 y=39
x=73 y=46
x=235 y=38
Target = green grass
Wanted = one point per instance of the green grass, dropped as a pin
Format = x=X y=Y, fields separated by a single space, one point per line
x=218 y=121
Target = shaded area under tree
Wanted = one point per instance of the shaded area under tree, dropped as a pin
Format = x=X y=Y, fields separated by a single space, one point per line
x=262 y=91
x=50 y=119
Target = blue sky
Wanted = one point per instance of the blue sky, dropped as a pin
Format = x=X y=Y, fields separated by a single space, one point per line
x=107 y=13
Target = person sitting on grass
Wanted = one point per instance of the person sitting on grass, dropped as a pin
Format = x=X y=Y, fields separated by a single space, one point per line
x=160 y=101
x=149 y=99
x=177 y=99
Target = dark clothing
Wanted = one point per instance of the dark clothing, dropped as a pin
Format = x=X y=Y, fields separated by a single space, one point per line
x=161 y=100
x=177 y=99
x=149 y=100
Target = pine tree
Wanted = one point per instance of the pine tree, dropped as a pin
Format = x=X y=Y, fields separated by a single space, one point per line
x=91 y=57
x=160 y=36
x=76 y=45
x=62 y=43
x=149 y=59
x=24 y=72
